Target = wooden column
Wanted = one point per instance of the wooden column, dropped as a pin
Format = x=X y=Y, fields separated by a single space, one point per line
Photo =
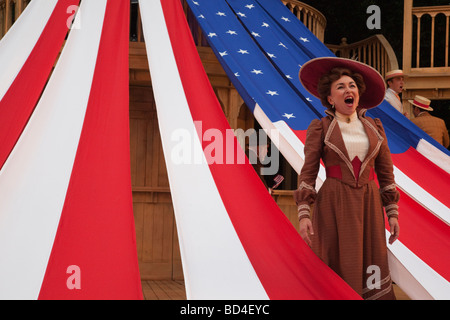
x=19 y=8
x=407 y=36
x=446 y=40
x=7 y=15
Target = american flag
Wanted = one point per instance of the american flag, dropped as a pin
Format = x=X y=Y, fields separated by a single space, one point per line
x=262 y=45
x=235 y=242
x=278 y=180
x=73 y=237
x=249 y=43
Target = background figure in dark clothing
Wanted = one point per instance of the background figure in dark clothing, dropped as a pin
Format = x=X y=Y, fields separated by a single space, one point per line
x=257 y=153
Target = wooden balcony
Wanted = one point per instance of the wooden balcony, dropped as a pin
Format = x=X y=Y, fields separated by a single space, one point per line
x=426 y=51
x=374 y=51
x=312 y=18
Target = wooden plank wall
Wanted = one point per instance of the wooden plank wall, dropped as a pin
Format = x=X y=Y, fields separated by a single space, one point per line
x=156 y=235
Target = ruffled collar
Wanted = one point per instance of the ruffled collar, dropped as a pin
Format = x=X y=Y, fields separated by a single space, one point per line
x=360 y=113
x=346 y=118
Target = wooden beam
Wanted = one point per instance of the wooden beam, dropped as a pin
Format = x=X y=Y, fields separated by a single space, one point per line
x=7 y=14
x=19 y=8
x=446 y=41
x=407 y=35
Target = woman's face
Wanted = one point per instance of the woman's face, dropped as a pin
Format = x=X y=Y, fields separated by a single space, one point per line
x=344 y=95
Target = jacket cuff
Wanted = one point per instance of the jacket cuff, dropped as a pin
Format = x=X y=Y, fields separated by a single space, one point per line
x=392 y=210
x=303 y=211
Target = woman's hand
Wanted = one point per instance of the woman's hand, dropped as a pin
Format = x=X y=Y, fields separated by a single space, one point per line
x=394 y=228
x=306 y=229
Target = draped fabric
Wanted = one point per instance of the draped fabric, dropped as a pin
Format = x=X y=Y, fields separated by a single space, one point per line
x=262 y=46
x=235 y=242
x=67 y=229
x=26 y=64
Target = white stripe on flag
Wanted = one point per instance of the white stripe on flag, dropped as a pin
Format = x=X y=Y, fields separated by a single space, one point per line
x=434 y=154
x=215 y=264
x=417 y=279
x=19 y=41
x=34 y=179
x=420 y=195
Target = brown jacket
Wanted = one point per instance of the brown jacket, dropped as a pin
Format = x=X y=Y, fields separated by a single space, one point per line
x=324 y=141
x=434 y=127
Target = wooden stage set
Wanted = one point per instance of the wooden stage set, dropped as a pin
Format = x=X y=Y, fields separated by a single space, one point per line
x=174 y=290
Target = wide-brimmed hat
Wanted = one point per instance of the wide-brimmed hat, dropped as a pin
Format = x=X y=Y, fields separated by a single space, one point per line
x=394 y=73
x=313 y=70
x=421 y=102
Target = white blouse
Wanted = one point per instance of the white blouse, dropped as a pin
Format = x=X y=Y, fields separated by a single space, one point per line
x=354 y=136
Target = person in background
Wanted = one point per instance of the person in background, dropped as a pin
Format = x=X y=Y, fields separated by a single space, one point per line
x=347 y=230
x=433 y=126
x=395 y=81
x=257 y=151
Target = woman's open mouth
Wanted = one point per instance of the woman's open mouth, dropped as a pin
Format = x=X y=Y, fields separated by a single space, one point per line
x=349 y=101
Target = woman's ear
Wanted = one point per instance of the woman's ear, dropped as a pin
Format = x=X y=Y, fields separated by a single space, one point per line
x=330 y=101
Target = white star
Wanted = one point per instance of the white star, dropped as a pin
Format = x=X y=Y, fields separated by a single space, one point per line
x=243 y=51
x=271 y=55
x=201 y=16
x=195 y=2
x=288 y=76
x=265 y=25
x=237 y=74
x=223 y=53
x=255 y=34
x=304 y=39
x=250 y=6
x=288 y=116
x=281 y=44
x=232 y=32
x=221 y=14
x=309 y=99
x=257 y=71
x=272 y=93
x=212 y=34
x=242 y=15
x=285 y=19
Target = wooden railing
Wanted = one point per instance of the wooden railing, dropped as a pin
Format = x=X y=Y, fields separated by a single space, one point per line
x=312 y=18
x=426 y=38
x=374 y=51
x=10 y=10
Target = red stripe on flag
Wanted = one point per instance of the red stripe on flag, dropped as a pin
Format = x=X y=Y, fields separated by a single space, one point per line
x=20 y=100
x=301 y=135
x=424 y=234
x=96 y=231
x=425 y=173
x=286 y=267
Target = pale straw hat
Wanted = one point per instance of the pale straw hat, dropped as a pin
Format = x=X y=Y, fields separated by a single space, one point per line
x=394 y=73
x=421 y=102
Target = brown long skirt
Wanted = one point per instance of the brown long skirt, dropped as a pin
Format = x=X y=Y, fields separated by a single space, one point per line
x=349 y=236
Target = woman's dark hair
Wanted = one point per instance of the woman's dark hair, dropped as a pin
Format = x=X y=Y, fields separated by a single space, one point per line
x=324 y=85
